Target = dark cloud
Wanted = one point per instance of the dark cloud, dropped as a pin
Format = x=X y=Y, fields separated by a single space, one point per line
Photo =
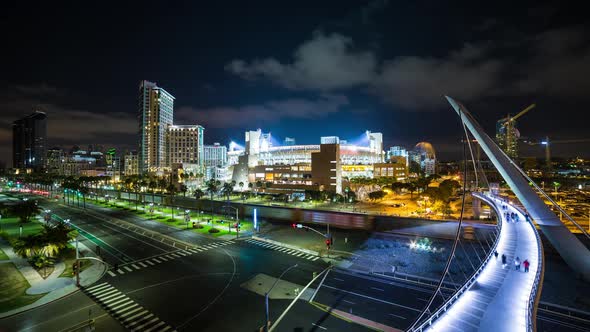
x=41 y=89
x=266 y=113
x=326 y=62
x=556 y=62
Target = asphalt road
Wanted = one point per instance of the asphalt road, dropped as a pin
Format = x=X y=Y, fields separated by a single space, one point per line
x=159 y=284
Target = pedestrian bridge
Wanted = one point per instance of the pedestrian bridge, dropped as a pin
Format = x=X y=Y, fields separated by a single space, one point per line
x=497 y=297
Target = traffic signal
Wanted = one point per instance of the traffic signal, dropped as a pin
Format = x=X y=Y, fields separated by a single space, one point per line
x=328 y=243
x=294 y=226
x=75 y=268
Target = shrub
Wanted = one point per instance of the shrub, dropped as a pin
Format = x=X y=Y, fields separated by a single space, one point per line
x=213 y=230
x=171 y=220
x=199 y=226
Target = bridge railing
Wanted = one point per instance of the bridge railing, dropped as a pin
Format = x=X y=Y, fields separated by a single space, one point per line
x=450 y=301
x=535 y=295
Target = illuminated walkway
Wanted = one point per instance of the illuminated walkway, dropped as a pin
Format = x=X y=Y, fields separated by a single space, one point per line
x=498 y=300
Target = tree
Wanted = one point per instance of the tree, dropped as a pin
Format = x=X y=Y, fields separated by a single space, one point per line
x=376 y=195
x=212 y=187
x=250 y=185
x=397 y=186
x=25 y=210
x=411 y=187
x=198 y=193
x=228 y=188
x=183 y=189
x=241 y=184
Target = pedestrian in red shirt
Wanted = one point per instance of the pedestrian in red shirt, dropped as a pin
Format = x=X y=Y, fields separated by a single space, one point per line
x=526 y=265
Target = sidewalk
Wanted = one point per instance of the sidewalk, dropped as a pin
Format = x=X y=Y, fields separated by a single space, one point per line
x=54 y=287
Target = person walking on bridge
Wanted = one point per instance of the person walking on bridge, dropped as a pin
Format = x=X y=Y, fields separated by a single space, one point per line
x=526 y=265
x=503 y=261
x=517 y=263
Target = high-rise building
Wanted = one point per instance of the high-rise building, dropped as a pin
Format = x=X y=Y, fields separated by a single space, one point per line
x=156 y=112
x=507 y=136
x=29 y=139
x=185 y=145
x=215 y=155
x=55 y=156
x=131 y=161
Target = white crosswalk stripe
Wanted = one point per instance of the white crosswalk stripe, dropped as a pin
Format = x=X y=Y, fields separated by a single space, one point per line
x=142 y=264
x=164 y=259
x=98 y=286
x=131 y=315
x=156 y=260
x=284 y=250
x=135 y=266
x=175 y=255
x=128 y=268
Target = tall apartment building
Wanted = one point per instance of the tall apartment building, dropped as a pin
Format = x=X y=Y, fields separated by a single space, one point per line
x=55 y=156
x=29 y=140
x=156 y=112
x=131 y=161
x=215 y=155
x=184 y=144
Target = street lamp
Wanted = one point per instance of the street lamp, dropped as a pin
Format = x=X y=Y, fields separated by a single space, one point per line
x=187 y=217
x=237 y=221
x=266 y=296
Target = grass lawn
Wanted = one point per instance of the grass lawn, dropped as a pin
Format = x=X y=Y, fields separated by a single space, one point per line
x=68 y=256
x=164 y=215
x=3 y=255
x=13 y=287
x=10 y=227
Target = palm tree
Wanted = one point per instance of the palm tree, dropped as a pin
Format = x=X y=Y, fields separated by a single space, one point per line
x=212 y=187
x=171 y=189
x=198 y=193
x=241 y=184
x=25 y=210
x=228 y=188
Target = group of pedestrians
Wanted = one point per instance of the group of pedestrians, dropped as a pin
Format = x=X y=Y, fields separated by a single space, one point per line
x=526 y=264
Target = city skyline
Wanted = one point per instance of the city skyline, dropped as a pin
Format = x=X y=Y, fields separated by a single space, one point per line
x=345 y=67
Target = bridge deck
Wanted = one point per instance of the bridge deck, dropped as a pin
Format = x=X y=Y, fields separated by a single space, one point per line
x=498 y=300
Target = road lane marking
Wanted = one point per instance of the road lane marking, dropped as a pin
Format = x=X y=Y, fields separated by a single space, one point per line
x=130 y=312
x=136 y=315
x=102 y=292
x=373 y=298
x=150 y=262
x=119 y=301
x=398 y=316
x=146 y=324
x=348 y=301
x=140 y=263
x=98 y=286
x=175 y=255
x=125 y=304
x=135 y=266
x=379 y=289
x=140 y=320
x=120 y=271
x=162 y=258
x=338 y=279
x=155 y=326
x=111 y=273
x=127 y=268
x=321 y=327
x=315 y=259
x=155 y=259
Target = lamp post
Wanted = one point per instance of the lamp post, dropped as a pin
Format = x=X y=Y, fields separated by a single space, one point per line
x=267 y=293
x=237 y=221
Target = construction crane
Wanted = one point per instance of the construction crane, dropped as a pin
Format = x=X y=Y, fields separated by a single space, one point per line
x=547 y=143
x=507 y=135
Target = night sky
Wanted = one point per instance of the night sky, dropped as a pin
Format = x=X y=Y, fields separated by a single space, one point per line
x=302 y=69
